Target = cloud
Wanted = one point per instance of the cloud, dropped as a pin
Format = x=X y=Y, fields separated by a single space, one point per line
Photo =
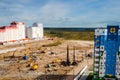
x=10 y=7
x=61 y=12
x=25 y=1
x=55 y=9
x=51 y=13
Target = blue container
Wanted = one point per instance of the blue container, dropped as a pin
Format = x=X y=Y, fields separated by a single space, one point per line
x=25 y=57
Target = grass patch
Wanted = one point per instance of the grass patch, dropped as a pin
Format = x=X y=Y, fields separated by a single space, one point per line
x=69 y=34
x=90 y=77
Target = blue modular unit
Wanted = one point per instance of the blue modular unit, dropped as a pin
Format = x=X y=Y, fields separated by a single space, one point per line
x=112 y=33
x=107 y=42
x=111 y=50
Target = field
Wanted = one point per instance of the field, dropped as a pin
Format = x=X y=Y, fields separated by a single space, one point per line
x=70 y=34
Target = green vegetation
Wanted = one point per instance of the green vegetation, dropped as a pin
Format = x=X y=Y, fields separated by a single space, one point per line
x=70 y=34
x=90 y=77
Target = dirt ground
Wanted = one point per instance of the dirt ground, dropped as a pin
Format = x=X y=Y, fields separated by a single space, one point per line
x=13 y=67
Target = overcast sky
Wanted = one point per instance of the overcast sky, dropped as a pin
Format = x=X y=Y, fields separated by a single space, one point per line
x=61 y=13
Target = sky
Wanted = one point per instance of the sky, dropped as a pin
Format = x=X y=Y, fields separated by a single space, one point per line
x=61 y=13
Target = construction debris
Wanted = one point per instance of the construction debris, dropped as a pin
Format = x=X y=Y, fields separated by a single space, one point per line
x=25 y=57
x=47 y=65
x=34 y=67
x=56 y=61
x=29 y=63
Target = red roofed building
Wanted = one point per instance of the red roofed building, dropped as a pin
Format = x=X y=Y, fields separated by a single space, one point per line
x=15 y=31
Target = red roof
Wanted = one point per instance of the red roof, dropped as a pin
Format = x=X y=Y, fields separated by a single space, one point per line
x=23 y=23
x=11 y=27
x=2 y=29
x=14 y=23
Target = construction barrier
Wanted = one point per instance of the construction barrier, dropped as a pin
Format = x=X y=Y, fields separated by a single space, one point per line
x=80 y=73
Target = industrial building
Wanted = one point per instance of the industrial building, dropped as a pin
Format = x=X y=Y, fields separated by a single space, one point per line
x=18 y=32
x=35 y=31
x=107 y=53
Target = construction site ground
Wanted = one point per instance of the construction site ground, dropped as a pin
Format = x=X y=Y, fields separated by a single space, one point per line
x=14 y=67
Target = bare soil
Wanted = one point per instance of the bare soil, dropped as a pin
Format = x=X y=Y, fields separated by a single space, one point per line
x=13 y=67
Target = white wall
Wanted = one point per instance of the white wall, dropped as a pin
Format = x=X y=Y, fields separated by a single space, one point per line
x=118 y=67
x=29 y=32
x=21 y=30
x=2 y=36
x=7 y=35
x=35 y=31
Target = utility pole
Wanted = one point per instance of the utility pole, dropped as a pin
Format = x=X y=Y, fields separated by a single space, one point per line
x=73 y=53
x=68 y=61
x=74 y=61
